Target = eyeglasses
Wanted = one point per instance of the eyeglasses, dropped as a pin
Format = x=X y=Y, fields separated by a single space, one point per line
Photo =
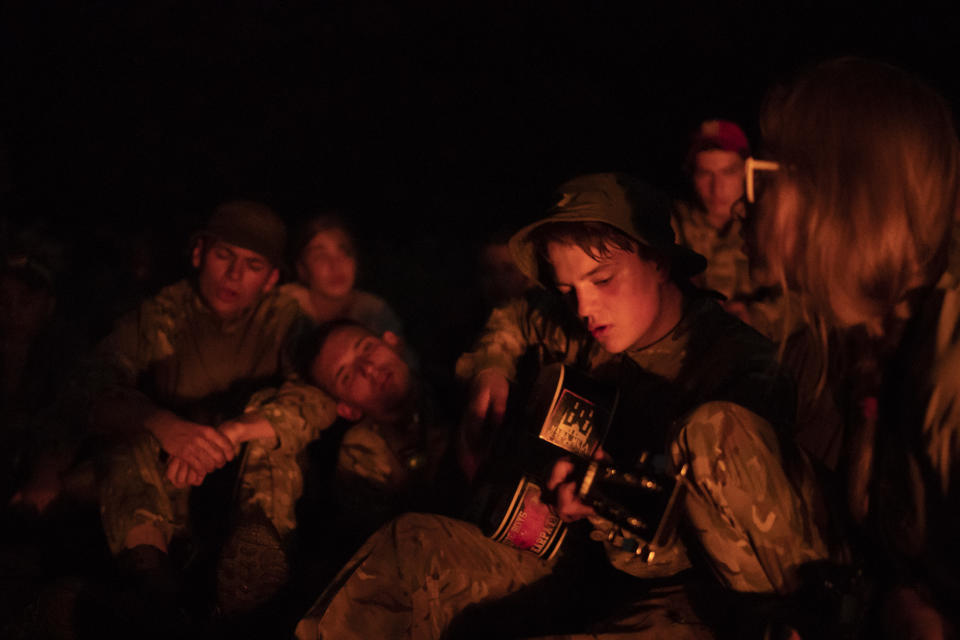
x=751 y=165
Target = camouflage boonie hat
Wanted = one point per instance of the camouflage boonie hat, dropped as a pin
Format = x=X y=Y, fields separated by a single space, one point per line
x=250 y=225
x=623 y=202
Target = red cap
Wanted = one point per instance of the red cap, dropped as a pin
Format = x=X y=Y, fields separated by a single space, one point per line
x=719 y=134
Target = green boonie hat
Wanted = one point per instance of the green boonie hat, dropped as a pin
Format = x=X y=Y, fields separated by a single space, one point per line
x=249 y=225
x=623 y=202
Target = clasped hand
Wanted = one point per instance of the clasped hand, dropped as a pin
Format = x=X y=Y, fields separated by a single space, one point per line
x=195 y=450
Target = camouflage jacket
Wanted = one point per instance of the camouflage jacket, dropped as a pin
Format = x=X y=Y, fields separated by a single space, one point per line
x=710 y=355
x=710 y=394
x=373 y=459
x=180 y=355
x=728 y=269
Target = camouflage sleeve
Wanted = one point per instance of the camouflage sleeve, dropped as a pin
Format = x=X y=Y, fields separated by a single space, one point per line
x=540 y=319
x=501 y=343
x=755 y=525
x=298 y=412
x=142 y=337
x=138 y=339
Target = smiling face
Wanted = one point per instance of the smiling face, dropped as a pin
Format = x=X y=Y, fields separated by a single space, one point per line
x=718 y=180
x=328 y=264
x=363 y=372
x=625 y=300
x=231 y=278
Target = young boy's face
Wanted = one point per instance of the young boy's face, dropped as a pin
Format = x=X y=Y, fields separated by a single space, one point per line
x=619 y=297
x=718 y=180
x=328 y=264
x=231 y=278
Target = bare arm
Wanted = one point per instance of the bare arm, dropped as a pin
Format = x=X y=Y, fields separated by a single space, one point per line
x=201 y=447
x=250 y=426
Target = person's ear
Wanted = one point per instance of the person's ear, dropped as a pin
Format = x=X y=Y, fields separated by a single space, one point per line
x=271 y=280
x=392 y=339
x=196 y=256
x=348 y=411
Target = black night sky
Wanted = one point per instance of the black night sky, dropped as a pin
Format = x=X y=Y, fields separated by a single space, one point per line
x=428 y=122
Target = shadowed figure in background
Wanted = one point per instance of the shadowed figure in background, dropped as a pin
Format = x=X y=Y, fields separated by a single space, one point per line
x=325 y=260
x=711 y=221
x=172 y=378
x=33 y=335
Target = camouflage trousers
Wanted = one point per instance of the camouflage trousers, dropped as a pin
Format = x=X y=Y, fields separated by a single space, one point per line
x=135 y=490
x=757 y=517
x=415 y=576
x=755 y=525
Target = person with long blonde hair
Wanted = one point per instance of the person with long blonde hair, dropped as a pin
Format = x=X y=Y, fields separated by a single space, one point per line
x=860 y=193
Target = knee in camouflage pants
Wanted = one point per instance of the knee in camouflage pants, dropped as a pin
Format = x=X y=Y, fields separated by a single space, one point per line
x=135 y=491
x=754 y=524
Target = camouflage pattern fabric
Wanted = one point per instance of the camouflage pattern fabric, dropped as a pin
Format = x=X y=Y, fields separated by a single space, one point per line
x=176 y=352
x=735 y=438
x=135 y=492
x=298 y=412
x=271 y=478
x=390 y=457
x=379 y=467
x=754 y=523
x=185 y=358
x=383 y=470
x=728 y=269
x=271 y=482
x=511 y=330
x=414 y=577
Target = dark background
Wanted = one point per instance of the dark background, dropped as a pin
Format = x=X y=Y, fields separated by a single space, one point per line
x=430 y=123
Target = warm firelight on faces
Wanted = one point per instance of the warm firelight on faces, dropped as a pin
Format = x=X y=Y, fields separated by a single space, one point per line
x=328 y=264
x=624 y=300
x=231 y=279
x=363 y=372
x=718 y=180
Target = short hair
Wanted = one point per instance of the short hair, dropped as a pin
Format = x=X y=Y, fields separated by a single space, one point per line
x=596 y=239
x=873 y=155
x=326 y=221
x=309 y=346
